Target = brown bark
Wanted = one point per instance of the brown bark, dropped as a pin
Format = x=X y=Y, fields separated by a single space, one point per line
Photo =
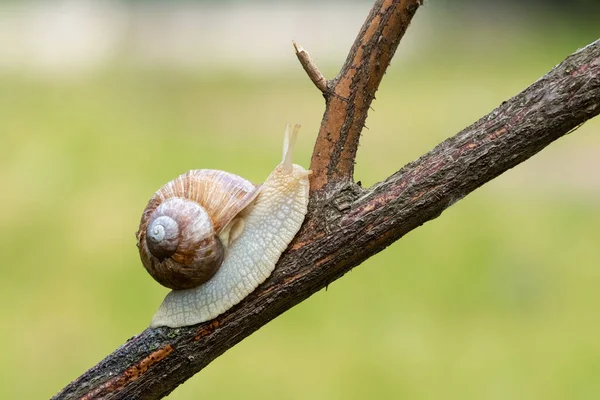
x=347 y=224
x=350 y=94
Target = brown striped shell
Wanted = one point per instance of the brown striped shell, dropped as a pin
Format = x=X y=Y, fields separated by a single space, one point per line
x=178 y=238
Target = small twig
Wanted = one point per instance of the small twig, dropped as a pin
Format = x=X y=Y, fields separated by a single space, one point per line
x=311 y=68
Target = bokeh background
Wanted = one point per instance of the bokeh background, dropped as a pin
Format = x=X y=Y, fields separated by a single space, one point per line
x=101 y=103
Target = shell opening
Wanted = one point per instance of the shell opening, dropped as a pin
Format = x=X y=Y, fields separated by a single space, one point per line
x=162 y=236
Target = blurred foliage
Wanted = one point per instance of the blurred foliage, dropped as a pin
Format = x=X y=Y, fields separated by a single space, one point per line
x=576 y=8
x=495 y=299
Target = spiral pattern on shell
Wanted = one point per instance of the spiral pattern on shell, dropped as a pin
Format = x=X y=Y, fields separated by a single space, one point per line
x=179 y=235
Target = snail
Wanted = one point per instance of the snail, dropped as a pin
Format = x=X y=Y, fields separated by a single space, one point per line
x=213 y=236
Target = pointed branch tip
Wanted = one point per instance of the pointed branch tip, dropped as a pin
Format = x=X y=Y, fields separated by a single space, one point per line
x=311 y=68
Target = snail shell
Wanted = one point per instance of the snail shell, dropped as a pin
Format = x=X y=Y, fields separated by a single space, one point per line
x=185 y=227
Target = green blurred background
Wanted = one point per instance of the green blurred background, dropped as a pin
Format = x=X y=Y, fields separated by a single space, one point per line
x=102 y=103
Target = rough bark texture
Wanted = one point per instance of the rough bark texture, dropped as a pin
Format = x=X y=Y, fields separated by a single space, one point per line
x=347 y=224
x=350 y=94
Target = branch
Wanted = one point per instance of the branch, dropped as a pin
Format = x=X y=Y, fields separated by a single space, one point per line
x=348 y=224
x=311 y=68
x=350 y=94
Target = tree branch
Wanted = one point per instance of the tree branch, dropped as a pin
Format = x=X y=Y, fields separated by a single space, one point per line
x=311 y=68
x=347 y=224
x=352 y=91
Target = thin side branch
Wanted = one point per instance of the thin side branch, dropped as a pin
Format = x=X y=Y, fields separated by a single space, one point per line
x=353 y=90
x=347 y=225
x=311 y=68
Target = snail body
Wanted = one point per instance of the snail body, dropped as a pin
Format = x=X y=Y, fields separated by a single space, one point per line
x=214 y=257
